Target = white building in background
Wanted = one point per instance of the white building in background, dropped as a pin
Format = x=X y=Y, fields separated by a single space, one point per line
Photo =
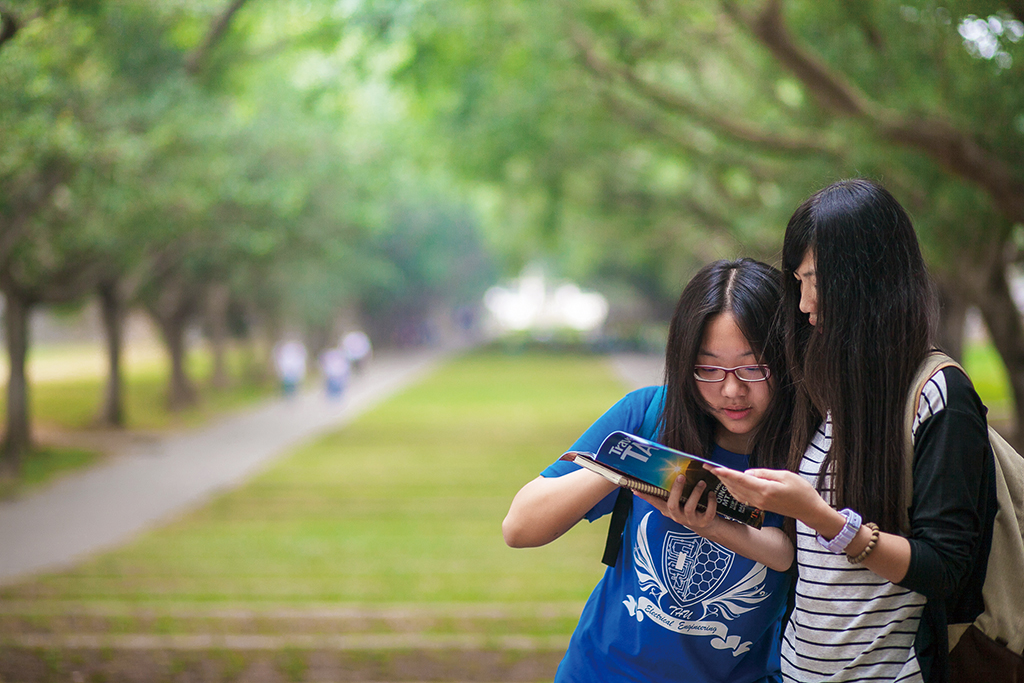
x=531 y=303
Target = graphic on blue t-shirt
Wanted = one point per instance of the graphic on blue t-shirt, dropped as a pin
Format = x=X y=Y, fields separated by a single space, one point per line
x=691 y=575
x=693 y=567
x=675 y=607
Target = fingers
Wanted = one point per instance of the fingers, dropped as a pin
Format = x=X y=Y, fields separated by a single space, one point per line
x=695 y=518
x=695 y=495
x=675 y=495
x=726 y=474
x=767 y=474
x=711 y=509
x=781 y=491
x=710 y=506
x=685 y=511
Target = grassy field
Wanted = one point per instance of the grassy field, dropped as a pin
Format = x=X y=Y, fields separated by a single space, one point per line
x=66 y=384
x=403 y=505
x=989 y=376
x=385 y=532
x=67 y=381
x=376 y=548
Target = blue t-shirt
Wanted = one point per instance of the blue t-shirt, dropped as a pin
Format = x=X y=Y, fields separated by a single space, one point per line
x=675 y=607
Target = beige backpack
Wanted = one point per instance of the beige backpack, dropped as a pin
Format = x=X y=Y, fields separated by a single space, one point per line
x=990 y=648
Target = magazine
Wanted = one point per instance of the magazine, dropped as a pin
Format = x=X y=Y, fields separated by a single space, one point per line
x=649 y=467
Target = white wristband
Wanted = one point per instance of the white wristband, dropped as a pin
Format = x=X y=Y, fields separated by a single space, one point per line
x=838 y=544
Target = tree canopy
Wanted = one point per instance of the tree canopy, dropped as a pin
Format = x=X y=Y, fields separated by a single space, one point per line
x=307 y=161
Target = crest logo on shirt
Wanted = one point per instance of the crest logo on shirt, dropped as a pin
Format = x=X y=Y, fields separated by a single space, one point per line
x=693 y=567
x=694 y=570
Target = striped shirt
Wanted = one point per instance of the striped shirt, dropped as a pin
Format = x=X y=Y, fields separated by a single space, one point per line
x=849 y=624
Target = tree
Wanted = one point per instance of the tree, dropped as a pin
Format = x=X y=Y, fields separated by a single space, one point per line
x=884 y=76
x=755 y=104
x=50 y=249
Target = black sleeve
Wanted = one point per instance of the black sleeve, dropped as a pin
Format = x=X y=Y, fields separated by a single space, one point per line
x=952 y=473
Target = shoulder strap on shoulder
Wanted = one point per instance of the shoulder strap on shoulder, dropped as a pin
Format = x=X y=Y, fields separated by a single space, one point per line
x=652 y=418
x=624 y=501
x=932 y=363
x=1002 y=620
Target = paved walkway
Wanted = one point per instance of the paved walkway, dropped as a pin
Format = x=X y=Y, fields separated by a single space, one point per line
x=103 y=506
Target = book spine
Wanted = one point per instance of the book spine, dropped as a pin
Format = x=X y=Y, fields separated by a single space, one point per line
x=644 y=487
x=727 y=505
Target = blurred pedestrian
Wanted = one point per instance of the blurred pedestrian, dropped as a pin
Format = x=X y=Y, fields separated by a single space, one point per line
x=357 y=348
x=290 y=363
x=334 y=366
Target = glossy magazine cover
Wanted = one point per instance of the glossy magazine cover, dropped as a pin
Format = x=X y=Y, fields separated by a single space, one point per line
x=647 y=462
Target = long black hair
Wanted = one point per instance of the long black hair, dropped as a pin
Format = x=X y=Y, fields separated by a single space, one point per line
x=752 y=292
x=875 y=312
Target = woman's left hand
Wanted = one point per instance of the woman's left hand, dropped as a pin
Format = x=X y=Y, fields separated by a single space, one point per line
x=686 y=513
x=769 y=546
x=780 y=491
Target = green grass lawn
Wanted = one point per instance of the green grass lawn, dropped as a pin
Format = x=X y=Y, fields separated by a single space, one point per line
x=66 y=388
x=989 y=376
x=385 y=529
x=70 y=381
x=404 y=505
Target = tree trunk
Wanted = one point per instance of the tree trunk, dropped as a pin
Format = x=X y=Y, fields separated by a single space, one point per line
x=112 y=314
x=9 y=25
x=180 y=392
x=18 y=437
x=172 y=311
x=1007 y=331
x=953 y=307
x=217 y=299
x=196 y=60
x=265 y=331
x=320 y=337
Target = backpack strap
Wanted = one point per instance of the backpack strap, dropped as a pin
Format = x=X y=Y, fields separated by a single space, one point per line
x=617 y=526
x=1003 y=591
x=624 y=501
x=1002 y=620
x=649 y=428
x=932 y=363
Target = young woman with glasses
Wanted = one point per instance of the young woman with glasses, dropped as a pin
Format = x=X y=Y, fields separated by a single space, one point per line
x=877 y=580
x=681 y=601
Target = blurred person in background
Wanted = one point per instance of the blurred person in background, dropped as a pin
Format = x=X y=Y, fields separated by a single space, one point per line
x=290 y=364
x=334 y=367
x=358 y=349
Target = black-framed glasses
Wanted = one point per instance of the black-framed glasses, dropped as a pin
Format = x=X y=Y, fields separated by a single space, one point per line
x=744 y=373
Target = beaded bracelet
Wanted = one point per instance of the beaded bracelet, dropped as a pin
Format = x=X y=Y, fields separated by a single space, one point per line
x=871 y=545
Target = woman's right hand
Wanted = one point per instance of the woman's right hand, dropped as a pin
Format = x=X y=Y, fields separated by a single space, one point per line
x=789 y=494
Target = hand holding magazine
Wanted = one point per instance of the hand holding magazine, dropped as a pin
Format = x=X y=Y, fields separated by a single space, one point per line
x=649 y=467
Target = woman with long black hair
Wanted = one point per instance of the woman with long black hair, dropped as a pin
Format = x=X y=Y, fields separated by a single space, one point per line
x=878 y=574
x=691 y=596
